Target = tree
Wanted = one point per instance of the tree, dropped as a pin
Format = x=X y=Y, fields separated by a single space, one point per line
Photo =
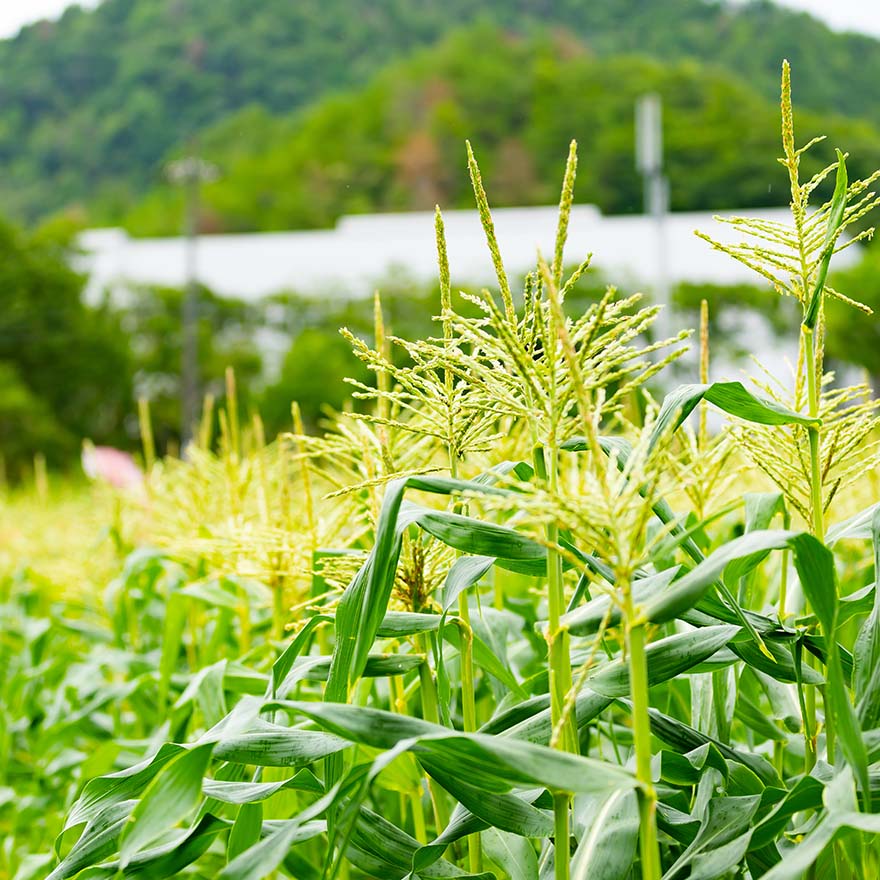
x=65 y=371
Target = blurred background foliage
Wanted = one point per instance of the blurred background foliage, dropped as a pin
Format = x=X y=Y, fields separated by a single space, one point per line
x=93 y=104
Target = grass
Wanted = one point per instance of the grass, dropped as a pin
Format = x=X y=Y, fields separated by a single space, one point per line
x=517 y=618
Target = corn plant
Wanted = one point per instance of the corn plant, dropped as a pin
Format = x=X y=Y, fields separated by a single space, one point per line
x=552 y=637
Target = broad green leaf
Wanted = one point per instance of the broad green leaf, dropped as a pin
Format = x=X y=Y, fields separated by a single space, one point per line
x=760 y=509
x=866 y=651
x=174 y=793
x=116 y=788
x=246 y=830
x=722 y=840
x=398 y=624
x=506 y=812
x=266 y=856
x=496 y=764
x=169 y=859
x=606 y=850
x=587 y=618
x=686 y=739
x=840 y=813
x=381 y=848
x=667 y=658
x=514 y=855
x=206 y=689
x=858 y=527
x=97 y=842
x=277 y=746
x=731 y=397
x=832 y=230
x=806 y=794
x=813 y=561
x=282 y=666
x=465 y=572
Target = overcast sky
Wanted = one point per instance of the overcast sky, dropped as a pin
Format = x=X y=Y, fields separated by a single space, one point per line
x=857 y=15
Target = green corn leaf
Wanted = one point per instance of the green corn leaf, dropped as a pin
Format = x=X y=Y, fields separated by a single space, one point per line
x=587 y=618
x=282 y=666
x=606 y=850
x=866 y=651
x=253 y=792
x=173 y=794
x=265 y=856
x=779 y=665
x=399 y=624
x=380 y=848
x=506 y=812
x=805 y=794
x=832 y=230
x=171 y=858
x=686 y=769
x=858 y=527
x=514 y=855
x=840 y=814
x=461 y=824
x=667 y=658
x=760 y=509
x=116 y=788
x=722 y=840
x=731 y=397
x=97 y=842
x=685 y=739
x=496 y=764
x=465 y=572
x=813 y=561
x=279 y=747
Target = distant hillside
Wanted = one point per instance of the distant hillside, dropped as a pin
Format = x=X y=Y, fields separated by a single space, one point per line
x=91 y=105
x=398 y=142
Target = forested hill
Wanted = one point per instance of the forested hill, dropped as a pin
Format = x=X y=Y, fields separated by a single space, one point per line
x=91 y=105
x=397 y=143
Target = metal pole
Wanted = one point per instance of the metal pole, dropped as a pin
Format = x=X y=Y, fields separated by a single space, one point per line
x=190 y=172
x=649 y=162
x=189 y=362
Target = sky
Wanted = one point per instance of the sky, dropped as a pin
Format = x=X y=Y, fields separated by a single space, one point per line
x=858 y=15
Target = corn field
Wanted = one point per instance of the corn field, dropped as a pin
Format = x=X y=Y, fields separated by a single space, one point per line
x=516 y=615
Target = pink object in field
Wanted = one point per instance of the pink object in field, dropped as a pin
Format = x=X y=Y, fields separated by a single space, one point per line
x=112 y=466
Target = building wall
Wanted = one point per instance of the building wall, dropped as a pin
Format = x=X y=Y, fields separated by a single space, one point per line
x=351 y=259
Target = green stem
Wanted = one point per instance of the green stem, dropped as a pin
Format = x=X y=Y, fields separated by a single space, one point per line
x=431 y=712
x=564 y=729
x=469 y=711
x=279 y=612
x=398 y=704
x=468 y=684
x=498 y=593
x=816 y=502
x=561 y=835
x=817 y=510
x=649 y=847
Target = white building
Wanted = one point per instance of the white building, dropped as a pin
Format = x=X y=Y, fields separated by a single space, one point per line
x=352 y=259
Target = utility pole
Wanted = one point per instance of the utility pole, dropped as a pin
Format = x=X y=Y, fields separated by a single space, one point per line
x=190 y=173
x=649 y=163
